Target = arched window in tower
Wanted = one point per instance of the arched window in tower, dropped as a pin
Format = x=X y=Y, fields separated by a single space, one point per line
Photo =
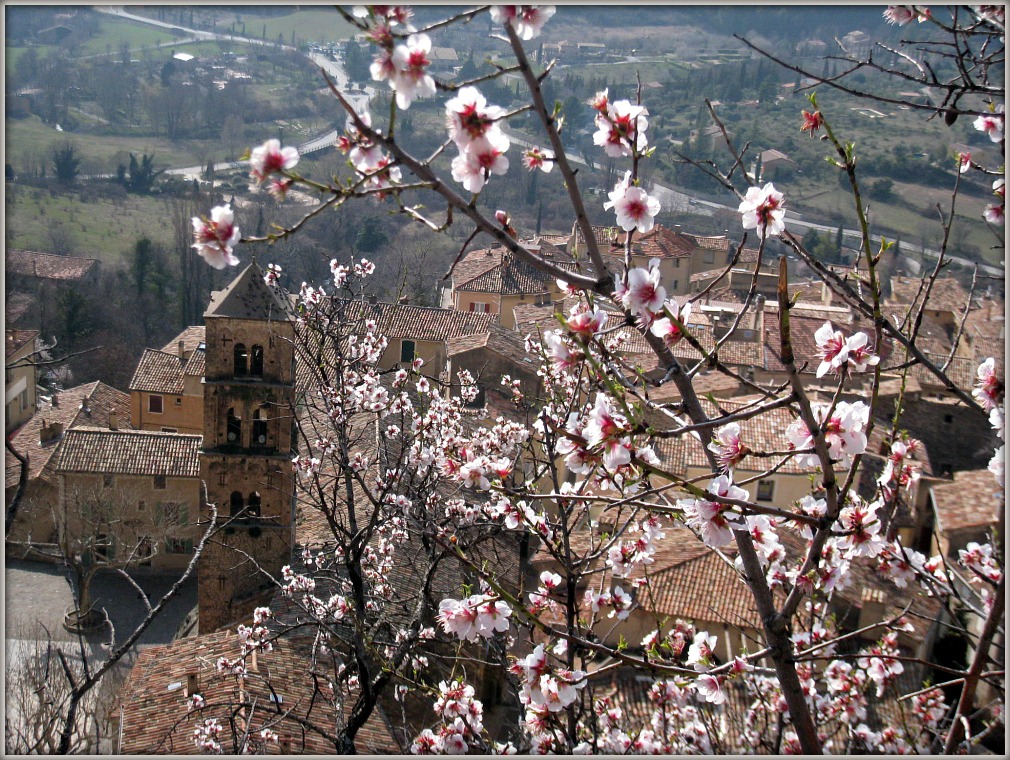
x=241 y=360
x=233 y=430
x=255 y=504
x=256 y=361
x=236 y=504
x=259 y=428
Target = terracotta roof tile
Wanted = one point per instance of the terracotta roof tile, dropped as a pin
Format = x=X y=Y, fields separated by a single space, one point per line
x=156 y=718
x=17 y=305
x=191 y=339
x=502 y=341
x=971 y=500
x=947 y=293
x=158 y=372
x=48 y=266
x=100 y=398
x=421 y=322
x=129 y=452
x=14 y=340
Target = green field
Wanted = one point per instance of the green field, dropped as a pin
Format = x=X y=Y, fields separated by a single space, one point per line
x=24 y=136
x=319 y=25
x=100 y=229
x=117 y=31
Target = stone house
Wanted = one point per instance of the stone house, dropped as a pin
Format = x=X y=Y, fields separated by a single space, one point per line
x=143 y=486
x=19 y=377
x=166 y=391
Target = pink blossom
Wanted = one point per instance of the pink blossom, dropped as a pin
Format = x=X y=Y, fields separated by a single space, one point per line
x=635 y=208
x=963 y=162
x=621 y=129
x=666 y=328
x=994 y=213
x=860 y=522
x=270 y=158
x=843 y=432
x=585 y=323
x=899 y=15
x=812 y=122
x=527 y=20
x=700 y=655
x=991 y=124
x=216 y=237
x=600 y=102
x=411 y=79
x=272 y=275
x=469 y=117
x=710 y=687
x=483 y=157
x=714 y=520
x=763 y=210
x=643 y=292
x=727 y=446
x=538 y=158
x=989 y=390
x=278 y=188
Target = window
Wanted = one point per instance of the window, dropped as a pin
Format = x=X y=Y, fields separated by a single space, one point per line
x=160 y=482
x=233 y=431
x=255 y=504
x=766 y=490
x=676 y=263
x=178 y=400
x=104 y=548
x=676 y=284
x=171 y=513
x=169 y=430
x=407 y=351
x=709 y=257
x=236 y=505
x=108 y=480
x=241 y=360
x=259 y=428
x=256 y=361
x=480 y=306
x=178 y=546
x=155 y=404
x=141 y=506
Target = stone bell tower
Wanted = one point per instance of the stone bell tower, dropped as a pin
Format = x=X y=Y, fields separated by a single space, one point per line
x=245 y=462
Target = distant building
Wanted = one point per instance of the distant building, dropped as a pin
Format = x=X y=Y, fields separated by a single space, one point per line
x=19 y=377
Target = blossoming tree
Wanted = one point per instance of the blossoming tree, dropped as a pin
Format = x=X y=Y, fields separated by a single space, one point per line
x=387 y=461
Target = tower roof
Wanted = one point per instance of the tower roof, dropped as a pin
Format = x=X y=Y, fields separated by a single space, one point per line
x=248 y=297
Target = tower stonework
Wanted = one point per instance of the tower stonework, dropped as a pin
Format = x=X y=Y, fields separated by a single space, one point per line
x=248 y=442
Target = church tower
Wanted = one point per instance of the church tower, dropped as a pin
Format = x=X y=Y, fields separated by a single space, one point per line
x=245 y=461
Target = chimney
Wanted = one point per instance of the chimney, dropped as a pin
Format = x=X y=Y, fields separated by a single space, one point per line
x=51 y=432
x=871 y=611
x=56 y=400
x=113 y=421
x=192 y=684
x=182 y=351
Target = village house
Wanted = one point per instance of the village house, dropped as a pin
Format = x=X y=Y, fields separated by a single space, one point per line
x=142 y=487
x=39 y=440
x=166 y=391
x=20 y=347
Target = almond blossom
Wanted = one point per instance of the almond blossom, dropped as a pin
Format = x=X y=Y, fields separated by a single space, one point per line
x=635 y=208
x=216 y=237
x=843 y=432
x=836 y=350
x=989 y=390
x=991 y=124
x=410 y=78
x=538 y=158
x=763 y=210
x=469 y=117
x=643 y=293
x=270 y=158
x=714 y=520
x=621 y=128
x=899 y=15
x=483 y=157
x=994 y=213
x=727 y=446
x=812 y=122
x=527 y=20
x=859 y=521
x=666 y=328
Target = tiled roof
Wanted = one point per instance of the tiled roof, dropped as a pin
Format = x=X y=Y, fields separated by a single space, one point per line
x=248 y=297
x=101 y=399
x=971 y=500
x=660 y=242
x=129 y=452
x=48 y=266
x=961 y=371
x=14 y=340
x=504 y=342
x=947 y=293
x=158 y=372
x=709 y=242
x=475 y=263
x=196 y=364
x=421 y=322
x=191 y=338
x=511 y=276
x=156 y=718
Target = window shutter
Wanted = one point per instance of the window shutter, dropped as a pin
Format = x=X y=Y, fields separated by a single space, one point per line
x=471 y=306
x=487 y=308
x=183 y=514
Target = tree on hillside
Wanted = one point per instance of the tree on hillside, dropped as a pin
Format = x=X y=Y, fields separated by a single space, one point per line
x=583 y=473
x=66 y=161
